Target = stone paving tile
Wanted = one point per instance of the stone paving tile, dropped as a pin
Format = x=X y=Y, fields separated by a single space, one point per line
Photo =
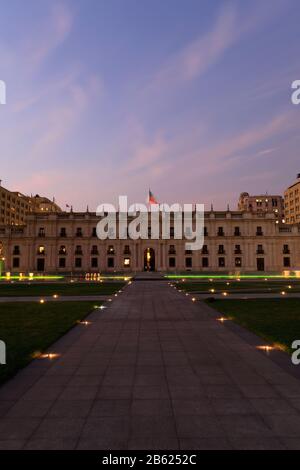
x=12 y=444
x=51 y=444
x=17 y=428
x=153 y=371
x=29 y=409
x=213 y=443
x=56 y=428
x=110 y=408
x=70 y=408
x=257 y=443
x=153 y=443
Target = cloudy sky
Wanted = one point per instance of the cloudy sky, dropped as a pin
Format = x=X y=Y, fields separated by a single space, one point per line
x=188 y=97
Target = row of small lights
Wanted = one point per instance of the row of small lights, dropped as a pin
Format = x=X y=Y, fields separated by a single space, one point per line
x=266 y=348
x=51 y=355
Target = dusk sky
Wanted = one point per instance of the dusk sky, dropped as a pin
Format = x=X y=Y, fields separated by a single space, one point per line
x=191 y=98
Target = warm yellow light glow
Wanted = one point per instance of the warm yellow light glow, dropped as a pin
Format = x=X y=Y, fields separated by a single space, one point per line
x=289 y=287
x=266 y=348
x=283 y=293
x=212 y=290
x=42 y=301
x=194 y=299
x=55 y=296
x=225 y=294
x=222 y=319
x=84 y=322
x=7 y=275
x=50 y=356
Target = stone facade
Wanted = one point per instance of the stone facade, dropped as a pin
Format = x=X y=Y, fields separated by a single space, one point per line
x=292 y=202
x=235 y=242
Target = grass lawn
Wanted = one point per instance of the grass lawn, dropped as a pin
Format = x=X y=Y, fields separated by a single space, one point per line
x=41 y=289
x=277 y=321
x=247 y=286
x=30 y=327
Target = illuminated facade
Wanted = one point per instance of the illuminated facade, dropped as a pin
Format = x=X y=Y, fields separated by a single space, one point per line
x=262 y=203
x=15 y=206
x=292 y=203
x=235 y=242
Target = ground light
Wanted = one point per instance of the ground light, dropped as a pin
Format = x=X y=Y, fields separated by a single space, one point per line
x=42 y=301
x=50 y=356
x=84 y=322
x=222 y=319
x=265 y=348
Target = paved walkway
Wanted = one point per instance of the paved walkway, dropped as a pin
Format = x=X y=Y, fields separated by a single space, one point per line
x=152 y=371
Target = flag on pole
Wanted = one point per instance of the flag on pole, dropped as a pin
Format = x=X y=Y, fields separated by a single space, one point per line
x=151 y=198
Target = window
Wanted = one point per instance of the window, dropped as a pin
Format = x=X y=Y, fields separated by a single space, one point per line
x=63 y=232
x=260 y=250
x=94 y=250
x=62 y=250
x=205 y=263
x=286 y=249
x=221 y=262
x=237 y=232
x=221 y=250
x=259 y=231
x=260 y=263
x=238 y=262
x=172 y=250
x=62 y=262
x=78 y=262
x=79 y=232
x=41 y=232
x=237 y=250
x=16 y=262
x=126 y=262
x=78 y=250
x=172 y=262
x=126 y=250
x=16 y=250
x=110 y=262
x=204 y=250
x=41 y=250
x=188 y=262
x=94 y=232
x=171 y=232
x=205 y=232
x=220 y=232
x=111 y=250
x=287 y=262
x=94 y=262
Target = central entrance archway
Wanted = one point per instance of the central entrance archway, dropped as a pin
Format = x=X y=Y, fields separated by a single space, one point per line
x=149 y=259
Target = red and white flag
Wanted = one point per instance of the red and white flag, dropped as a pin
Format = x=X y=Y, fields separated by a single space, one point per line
x=151 y=198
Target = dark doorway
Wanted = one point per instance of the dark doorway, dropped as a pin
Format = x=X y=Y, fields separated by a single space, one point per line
x=260 y=264
x=149 y=259
x=40 y=265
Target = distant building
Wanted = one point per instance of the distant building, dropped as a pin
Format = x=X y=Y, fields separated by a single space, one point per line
x=67 y=242
x=15 y=206
x=262 y=204
x=292 y=202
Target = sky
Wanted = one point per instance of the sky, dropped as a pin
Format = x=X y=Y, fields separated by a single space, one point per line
x=191 y=98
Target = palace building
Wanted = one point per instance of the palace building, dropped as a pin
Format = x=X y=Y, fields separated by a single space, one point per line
x=67 y=242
